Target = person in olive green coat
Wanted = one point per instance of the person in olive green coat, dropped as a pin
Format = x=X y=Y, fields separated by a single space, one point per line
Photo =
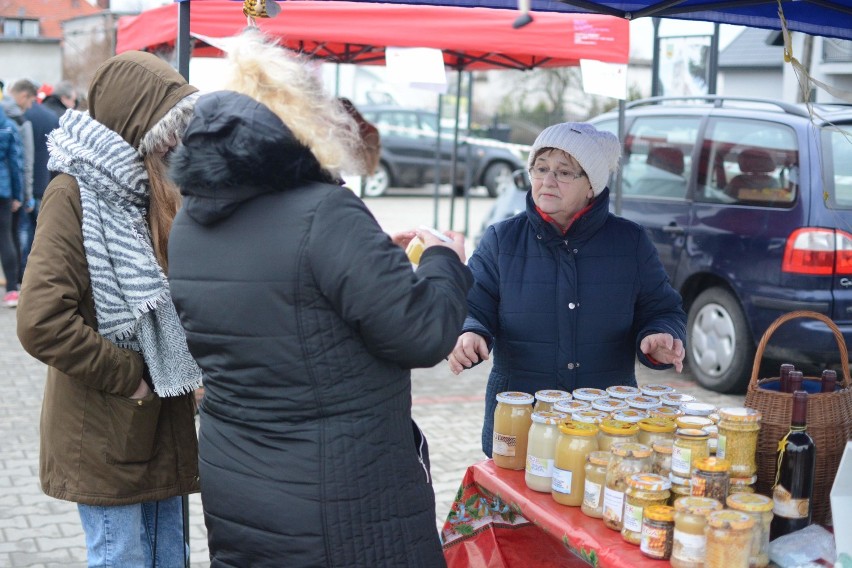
x=117 y=424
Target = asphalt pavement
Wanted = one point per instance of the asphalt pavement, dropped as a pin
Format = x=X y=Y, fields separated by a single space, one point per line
x=39 y=532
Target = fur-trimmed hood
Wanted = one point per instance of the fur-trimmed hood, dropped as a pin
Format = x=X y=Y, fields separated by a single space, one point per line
x=235 y=149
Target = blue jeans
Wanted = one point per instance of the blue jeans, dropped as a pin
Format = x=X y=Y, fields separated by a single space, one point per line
x=128 y=535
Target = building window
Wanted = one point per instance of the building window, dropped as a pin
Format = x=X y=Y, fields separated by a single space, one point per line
x=836 y=50
x=20 y=28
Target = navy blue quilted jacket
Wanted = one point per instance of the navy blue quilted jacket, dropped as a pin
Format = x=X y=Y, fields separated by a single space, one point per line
x=567 y=311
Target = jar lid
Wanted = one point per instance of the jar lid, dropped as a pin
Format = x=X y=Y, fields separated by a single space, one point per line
x=514 y=397
x=599 y=457
x=693 y=422
x=663 y=446
x=590 y=416
x=618 y=428
x=552 y=395
x=576 y=428
x=657 y=425
x=643 y=402
x=589 y=394
x=693 y=433
x=676 y=398
x=665 y=412
x=714 y=417
x=649 y=482
x=622 y=391
x=678 y=481
x=712 y=464
x=630 y=449
x=656 y=389
x=697 y=408
x=697 y=505
x=570 y=406
x=730 y=519
x=631 y=415
x=744 y=480
x=750 y=502
x=609 y=404
x=740 y=414
x=548 y=417
x=659 y=513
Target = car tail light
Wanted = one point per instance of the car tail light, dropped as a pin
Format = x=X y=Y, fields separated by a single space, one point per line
x=818 y=251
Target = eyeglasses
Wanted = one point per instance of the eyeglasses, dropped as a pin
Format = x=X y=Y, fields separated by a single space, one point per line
x=562 y=176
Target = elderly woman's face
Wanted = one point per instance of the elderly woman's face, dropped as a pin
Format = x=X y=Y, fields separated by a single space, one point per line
x=560 y=187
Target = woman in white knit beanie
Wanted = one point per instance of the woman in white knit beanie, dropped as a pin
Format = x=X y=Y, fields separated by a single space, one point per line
x=567 y=294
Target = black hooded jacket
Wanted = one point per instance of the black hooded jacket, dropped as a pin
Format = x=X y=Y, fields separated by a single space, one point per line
x=305 y=319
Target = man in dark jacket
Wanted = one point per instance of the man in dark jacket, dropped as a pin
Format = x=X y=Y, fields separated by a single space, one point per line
x=63 y=97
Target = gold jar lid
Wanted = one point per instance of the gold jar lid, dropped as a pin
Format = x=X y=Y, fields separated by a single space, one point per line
x=599 y=457
x=693 y=422
x=552 y=395
x=740 y=414
x=649 y=482
x=657 y=425
x=514 y=397
x=730 y=519
x=663 y=446
x=697 y=505
x=575 y=428
x=659 y=513
x=618 y=428
x=548 y=417
x=630 y=449
x=712 y=464
x=750 y=502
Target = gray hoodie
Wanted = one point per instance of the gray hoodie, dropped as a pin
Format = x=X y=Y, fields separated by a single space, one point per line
x=25 y=127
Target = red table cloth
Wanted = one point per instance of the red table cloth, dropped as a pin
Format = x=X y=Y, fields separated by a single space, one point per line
x=497 y=522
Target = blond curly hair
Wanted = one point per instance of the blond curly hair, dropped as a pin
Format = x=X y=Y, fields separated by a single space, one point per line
x=283 y=81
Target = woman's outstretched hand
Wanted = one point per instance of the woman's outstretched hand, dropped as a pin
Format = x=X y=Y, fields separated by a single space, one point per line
x=665 y=349
x=471 y=348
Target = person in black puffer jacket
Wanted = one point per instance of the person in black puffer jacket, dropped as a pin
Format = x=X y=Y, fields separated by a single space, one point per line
x=305 y=319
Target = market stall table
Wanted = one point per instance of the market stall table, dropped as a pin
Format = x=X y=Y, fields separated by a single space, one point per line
x=497 y=522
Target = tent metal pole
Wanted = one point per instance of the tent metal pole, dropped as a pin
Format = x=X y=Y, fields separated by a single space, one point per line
x=436 y=194
x=182 y=45
x=454 y=161
x=655 y=60
x=713 y=66
x=468 y=171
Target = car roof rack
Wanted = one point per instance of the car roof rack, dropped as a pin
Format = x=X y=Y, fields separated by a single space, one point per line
x=719 y=101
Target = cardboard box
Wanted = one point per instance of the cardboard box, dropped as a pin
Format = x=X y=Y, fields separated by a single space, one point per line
x=841 y=503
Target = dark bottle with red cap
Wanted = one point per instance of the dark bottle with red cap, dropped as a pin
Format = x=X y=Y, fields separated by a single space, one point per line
x=794 y=481
x=829 y=381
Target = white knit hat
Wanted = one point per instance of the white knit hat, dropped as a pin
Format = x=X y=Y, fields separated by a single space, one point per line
x=597 y=151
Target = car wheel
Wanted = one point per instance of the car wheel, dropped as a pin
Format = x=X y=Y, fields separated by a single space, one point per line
x=496 y=175
x=378 y=183
x=720 y=350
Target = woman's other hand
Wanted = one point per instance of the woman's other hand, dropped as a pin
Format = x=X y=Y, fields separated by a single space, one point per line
x=471 y=348
x=664 y=349
x=402 y=239
x=457 y=243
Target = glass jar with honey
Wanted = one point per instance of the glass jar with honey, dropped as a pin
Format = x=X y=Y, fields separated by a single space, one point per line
x=595 y=483
x=643 y=490
x=628 y=458
x=614 y=431
x=689 y=545
x=512 y=422
x=576 y=441
x=545 y=399
x=541 y=449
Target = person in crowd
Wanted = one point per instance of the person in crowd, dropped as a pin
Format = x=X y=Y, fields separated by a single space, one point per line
x=43 y=123
x=117 y=425
x=62 y=97
x=307 y=451
x=567 y=294
x=11 y=194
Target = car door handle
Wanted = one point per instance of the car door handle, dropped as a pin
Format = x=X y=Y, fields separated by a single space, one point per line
x=673 y=229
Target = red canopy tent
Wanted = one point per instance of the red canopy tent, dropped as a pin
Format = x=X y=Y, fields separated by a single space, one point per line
x=353 y=32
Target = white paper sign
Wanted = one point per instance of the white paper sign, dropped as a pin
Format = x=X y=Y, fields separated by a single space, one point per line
x=607 y=79
x=417 y=67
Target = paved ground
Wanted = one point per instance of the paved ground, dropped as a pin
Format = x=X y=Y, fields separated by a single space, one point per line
x=39 y=532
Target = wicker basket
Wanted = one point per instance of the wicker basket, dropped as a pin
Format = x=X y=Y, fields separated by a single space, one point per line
x=829 y=421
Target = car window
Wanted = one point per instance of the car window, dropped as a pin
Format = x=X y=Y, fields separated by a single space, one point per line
x=657 y=158
x=398 y=123
x=749 y=162
x=837 y=165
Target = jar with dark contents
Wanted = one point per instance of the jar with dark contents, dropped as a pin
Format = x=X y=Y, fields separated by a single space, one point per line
x=710 y=478
x=657 y=532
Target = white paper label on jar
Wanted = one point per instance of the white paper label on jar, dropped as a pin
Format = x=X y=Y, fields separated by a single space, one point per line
x=541 y=467
x=562 y=480
x=613 y=507
x=504 y=445
x=689 y=548
x=681 y=461
x=592 y=495
x=633 y=517
x=721 y=443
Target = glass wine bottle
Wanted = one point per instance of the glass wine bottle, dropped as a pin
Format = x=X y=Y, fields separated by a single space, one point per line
x=829 y=380
x=794 y=480
x=784 y=376
x=795 y=381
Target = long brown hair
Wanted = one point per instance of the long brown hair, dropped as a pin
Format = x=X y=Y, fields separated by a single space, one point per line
x=164 y=204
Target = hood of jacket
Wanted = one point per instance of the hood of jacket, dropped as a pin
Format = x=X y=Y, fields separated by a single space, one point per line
x=11 y=108
x=131 y=92
x=233 y=150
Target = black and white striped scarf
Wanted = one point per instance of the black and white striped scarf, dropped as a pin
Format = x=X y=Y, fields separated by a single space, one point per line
x=132 y=299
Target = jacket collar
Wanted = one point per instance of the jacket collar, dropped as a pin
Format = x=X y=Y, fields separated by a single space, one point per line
x=580 y=230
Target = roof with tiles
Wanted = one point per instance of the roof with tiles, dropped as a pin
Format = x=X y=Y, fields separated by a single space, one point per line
x=753 y=48
x=50 y=13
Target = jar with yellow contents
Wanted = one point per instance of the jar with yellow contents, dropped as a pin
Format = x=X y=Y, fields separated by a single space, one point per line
x=738 y=431
x=690 y=444
x=710 y=478
x=512 y=422
x=657 y=532
x=595 y=482
x=689 y=543
x=545 y=399
x=643 y=490
x=576 y=441
x=614 y=431
x=759 y=508
x=729 y=535
x=628 y=458
x=652 y=430
x=541 y=449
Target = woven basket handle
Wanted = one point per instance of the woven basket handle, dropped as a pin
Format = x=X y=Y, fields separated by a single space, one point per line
x=841 y=344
